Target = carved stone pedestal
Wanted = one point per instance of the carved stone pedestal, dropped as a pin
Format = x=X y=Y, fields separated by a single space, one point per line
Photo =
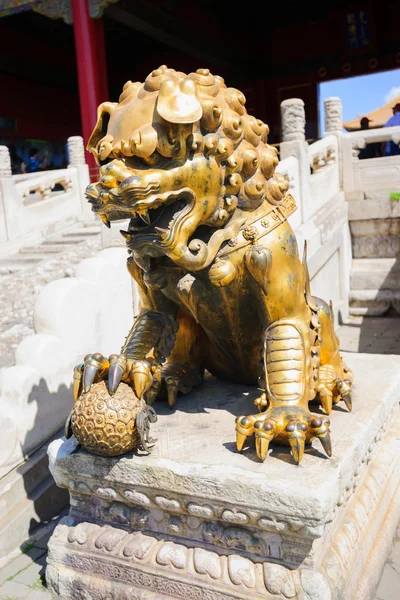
x=196 y=519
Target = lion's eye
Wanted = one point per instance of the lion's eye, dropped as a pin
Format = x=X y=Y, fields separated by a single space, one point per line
x=154 y=160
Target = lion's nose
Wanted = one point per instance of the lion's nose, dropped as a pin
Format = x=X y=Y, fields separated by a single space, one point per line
x=132 y=180
x=113 y=173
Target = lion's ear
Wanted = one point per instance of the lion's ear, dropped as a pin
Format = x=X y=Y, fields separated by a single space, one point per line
x=178 y=102
x=103 y=116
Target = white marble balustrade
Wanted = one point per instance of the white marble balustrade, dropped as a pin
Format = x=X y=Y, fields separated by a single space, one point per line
x=33 y=204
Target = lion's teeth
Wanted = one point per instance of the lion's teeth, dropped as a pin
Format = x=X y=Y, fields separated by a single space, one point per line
x=105 y=221
x=145 y=217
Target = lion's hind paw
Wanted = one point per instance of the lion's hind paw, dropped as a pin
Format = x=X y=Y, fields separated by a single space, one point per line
x=285 y=425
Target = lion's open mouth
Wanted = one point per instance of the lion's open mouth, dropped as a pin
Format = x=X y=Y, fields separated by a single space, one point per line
x=158 y=218
x=150 y=212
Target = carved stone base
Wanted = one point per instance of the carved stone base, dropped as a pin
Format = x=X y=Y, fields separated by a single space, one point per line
x=198 y=520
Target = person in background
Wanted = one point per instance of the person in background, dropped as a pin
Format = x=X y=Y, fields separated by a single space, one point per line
x=34 y=164
x=370 y=150
x=17 y=163
x=392 y=149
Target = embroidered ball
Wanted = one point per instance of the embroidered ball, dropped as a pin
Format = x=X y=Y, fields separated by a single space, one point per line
x=105 y=424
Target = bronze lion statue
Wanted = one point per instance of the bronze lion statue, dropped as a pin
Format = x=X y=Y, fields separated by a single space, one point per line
x=221 y=283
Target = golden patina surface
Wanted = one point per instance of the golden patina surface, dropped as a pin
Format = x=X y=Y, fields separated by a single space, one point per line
x=221 y=283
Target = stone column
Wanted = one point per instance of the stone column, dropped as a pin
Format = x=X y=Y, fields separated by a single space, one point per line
x=293 y=143
x=333 y=115
x=5 y=162
x=5 y=180
x=76 y=151
x=334 y=126
x=293 y=119
x=76 y=158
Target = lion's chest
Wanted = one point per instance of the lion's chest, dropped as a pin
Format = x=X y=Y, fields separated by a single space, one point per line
x=228 y=316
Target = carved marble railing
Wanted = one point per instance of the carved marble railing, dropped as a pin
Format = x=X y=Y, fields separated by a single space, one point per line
x=31 y=204
x=289 y=168
x=321 y=219
x=369 y=174
x=360 y=139
x=41 y=187
x=323 y=153
x=323 y=158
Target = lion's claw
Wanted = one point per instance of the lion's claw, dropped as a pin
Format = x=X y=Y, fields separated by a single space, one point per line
x=293 y=426
x=296 y=435
x=244 y=428
x=264 y=432
x=78 y=371
x=95 y=365
x=118 y=367
x=172 y=385
x=344 y=389
x=320 y=429
x=172 y=378
x=332 y=389
x=140 y=375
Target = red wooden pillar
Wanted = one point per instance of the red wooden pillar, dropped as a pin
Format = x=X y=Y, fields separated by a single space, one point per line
x=101 y=58
x=92 y=70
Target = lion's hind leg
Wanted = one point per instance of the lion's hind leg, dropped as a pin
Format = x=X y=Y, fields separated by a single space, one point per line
x=290 y=359
x=334 y=377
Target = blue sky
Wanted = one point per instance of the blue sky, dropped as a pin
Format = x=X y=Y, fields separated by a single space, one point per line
x=360 y=95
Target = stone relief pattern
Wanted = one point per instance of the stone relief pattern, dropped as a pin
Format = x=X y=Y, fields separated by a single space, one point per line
x=258 y=539
x=339 y=561
x=293 y=120
x=208 y=532
x=117 y=555
x=5 y=162
x=327 y=156
x=76 y=151
x=136 y=496
x=333 y=115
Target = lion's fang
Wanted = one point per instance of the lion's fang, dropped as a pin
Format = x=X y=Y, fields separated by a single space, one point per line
x=145 y=217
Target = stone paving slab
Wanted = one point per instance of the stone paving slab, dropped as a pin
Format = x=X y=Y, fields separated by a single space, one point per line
x=24 y=577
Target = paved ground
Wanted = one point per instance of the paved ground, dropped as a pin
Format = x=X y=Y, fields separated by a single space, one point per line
x=24 y=577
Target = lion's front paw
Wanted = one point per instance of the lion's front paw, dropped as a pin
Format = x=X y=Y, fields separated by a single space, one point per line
x=96 y=367
x=290 y=425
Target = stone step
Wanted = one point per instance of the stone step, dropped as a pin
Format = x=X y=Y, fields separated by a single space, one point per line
x=374 y=303
x=375 y=274
x=62 y=243
x=49 y=249
x=84 y=232
x=374 y=208
x=16 y=263
x=380 y=194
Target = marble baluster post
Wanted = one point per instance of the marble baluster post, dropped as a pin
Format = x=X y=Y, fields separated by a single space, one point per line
x=76 y=154
x=294 y=143
x=333 y=114
x=7 y=211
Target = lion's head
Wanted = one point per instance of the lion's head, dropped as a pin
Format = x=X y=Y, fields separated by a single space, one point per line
x=179 y=154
